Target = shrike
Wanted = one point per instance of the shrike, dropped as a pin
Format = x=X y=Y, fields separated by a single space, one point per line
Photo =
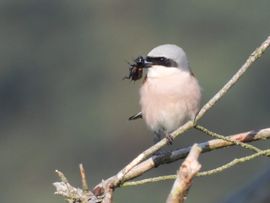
x=170 y=94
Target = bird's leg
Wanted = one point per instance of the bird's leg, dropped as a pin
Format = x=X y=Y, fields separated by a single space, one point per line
x=162 y=133
x=158 y=136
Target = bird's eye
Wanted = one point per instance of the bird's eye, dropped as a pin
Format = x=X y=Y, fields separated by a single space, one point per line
x=162 y=58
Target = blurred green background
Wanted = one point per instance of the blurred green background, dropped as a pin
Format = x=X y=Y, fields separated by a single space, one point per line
x=63 y=100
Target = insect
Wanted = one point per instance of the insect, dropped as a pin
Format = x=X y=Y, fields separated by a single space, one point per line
x=136 y=69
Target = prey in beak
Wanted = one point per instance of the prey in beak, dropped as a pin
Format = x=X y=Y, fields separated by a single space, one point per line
x=136 y=69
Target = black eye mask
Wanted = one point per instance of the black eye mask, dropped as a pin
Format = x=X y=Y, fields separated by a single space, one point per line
x=162 y=61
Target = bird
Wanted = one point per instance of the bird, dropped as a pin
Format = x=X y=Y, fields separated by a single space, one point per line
x=170 y=94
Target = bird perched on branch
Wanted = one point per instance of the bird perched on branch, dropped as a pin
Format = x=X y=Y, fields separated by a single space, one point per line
x=170 y=94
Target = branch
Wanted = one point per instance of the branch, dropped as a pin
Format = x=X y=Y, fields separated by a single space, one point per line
x=189 y=168
x=83 y=177
x=251 y=59
x=236 y=142
x=149 y=180
x=104 y=192
x=210 y=145
x=118 y=179
x=72 y=194
x=203 y=173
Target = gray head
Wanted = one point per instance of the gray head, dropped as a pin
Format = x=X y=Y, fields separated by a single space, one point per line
x=169 y=55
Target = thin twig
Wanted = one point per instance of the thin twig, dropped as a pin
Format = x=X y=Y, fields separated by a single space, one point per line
x=73 y=194
x=188 y=169
x=108 y=195
x=234 y=162
x=61 y=176
x=236 y=142
x=251 y=59
x=83 y=177
x=149 y=180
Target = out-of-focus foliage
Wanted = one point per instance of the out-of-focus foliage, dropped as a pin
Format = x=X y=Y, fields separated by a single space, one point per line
x=63 y=100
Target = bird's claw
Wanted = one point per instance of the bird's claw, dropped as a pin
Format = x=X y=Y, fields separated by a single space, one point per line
x=169 y=138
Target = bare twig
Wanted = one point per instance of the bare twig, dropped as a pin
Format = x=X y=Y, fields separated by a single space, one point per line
x=83 y=177
x=236 y=142
x=120 y=175
x=251 y=59
x=72 y=194
x=234 y=162
x=108 y=195
x=149 y=180
x=189 y=168
x=210 y=145
x=61 y=176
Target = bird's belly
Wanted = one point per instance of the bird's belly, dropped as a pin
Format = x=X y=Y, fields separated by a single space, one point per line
x=167 y=103
x=164 y=113
x=162 y=110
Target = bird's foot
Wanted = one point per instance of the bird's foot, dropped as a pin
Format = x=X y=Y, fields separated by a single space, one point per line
x=169 y=138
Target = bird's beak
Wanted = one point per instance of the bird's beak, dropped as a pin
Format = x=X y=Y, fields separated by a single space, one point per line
x=147 y=63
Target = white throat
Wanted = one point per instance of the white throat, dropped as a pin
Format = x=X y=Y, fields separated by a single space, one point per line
x=158 y=71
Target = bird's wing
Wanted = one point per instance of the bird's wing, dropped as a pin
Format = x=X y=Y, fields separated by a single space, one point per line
x=136 y=116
